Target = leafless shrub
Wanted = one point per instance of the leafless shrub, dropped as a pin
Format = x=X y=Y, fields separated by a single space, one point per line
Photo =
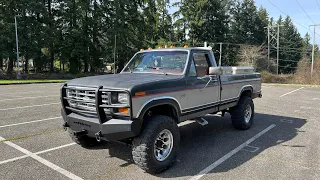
x=303 y=74
x=253 y=56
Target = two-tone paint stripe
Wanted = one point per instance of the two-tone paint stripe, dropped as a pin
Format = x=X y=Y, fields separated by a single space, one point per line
x=208 y=106
x=181 y=89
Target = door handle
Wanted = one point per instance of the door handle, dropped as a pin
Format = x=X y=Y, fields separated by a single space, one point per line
x=210 y=80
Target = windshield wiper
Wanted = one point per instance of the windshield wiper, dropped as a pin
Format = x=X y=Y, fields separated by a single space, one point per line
x=157 y=68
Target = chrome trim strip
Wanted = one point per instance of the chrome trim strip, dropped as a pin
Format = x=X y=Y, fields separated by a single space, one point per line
x=239 y=81
x=229 y=99
x=213 y=103
x=243 y=88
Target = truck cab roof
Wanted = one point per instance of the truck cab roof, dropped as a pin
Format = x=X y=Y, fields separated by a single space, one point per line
x=179 y=48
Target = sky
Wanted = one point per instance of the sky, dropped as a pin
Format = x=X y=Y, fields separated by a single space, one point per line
x=293 y=9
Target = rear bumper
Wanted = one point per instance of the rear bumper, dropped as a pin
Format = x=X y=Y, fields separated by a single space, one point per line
x=113 y=129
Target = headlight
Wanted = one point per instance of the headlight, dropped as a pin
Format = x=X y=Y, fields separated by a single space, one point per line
x=123 y=98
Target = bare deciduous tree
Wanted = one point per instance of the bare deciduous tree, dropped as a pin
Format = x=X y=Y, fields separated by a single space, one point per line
x=248 y=55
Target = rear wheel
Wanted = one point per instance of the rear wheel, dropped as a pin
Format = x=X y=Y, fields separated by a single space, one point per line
x=242 y=114
x=156 y=148
x=83 y=140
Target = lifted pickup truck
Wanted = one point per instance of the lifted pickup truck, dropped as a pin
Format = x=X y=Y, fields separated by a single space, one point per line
x=155 y=91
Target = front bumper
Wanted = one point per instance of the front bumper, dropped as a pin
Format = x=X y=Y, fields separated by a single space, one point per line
x=113 y=129
x=98 y=122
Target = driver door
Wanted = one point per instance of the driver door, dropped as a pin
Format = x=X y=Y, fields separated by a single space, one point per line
x=200 y=96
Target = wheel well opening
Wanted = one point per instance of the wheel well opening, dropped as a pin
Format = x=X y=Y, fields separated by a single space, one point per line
x=247 y=93
x=166 y=109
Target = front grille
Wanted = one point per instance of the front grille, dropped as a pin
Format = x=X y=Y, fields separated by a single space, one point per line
x=84 y=99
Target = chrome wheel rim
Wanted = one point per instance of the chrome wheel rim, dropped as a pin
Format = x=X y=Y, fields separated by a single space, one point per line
x=248 y=113
x=163 y=145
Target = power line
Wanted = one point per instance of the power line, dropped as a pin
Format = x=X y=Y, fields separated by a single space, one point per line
x=318 y=4
x=292 y=19
x=290 y=51
x=287 y=15
x=305 y=11
x=289 y=67
x=288 y=60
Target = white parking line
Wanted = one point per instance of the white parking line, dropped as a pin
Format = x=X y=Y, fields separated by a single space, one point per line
x=8 y=96
x=21 y=92
x=23 y=107
x=42 y=160
x=9 y=125
x=13 y=99
x=40 y=152
x=14 y=87
x=291 y=92
x=55 y=148
x=13 y=159
x=231 y=153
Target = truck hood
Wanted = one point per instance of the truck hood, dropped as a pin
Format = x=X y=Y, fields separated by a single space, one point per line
x=123 y=80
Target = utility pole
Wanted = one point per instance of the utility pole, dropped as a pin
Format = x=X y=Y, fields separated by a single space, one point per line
x=272 y=37
x=17 y=43
x=220 y=54
x=114 y=54
x=313 y=46
x=278 y=41
x=268 y=46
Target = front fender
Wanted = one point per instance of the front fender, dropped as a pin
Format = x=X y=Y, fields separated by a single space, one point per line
x=159 y=101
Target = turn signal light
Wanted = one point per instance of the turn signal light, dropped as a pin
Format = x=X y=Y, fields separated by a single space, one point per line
x=185 y=46
x=149 y=48
x=124 y=110
x=140 y=93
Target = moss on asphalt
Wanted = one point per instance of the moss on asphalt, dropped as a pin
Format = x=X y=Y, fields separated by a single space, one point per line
x=9 y=82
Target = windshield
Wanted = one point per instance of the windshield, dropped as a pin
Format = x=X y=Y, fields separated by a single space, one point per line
x=165 y=62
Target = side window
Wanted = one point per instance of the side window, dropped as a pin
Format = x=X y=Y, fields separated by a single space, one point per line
x=192 y=71
x=201 y=61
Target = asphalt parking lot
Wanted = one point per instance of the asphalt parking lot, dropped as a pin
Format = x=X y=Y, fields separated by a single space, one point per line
x=284 y=142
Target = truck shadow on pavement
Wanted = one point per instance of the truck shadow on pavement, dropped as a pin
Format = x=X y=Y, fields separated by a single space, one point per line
x=201 y=146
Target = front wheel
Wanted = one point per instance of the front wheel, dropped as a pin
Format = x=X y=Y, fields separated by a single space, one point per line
x=156 y=148
x=242 y=114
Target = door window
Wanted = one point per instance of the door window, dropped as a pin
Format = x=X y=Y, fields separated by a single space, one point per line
x=192 y=71
x=201 y=63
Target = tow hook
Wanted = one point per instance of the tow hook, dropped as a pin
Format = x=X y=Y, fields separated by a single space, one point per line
x=80 y=133
x=98 y=136
x=65 y=126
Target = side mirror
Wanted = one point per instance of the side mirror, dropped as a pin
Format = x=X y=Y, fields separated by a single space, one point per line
x=215 y=71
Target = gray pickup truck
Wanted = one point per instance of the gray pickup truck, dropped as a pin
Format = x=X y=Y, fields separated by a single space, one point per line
x=157 y=90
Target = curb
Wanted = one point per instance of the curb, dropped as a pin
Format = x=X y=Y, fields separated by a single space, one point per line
x=21 y=83
x=292 y=85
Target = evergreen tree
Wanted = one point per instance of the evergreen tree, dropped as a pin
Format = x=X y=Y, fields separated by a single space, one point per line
x=248 y=23
x=291 y=46
x=80 y=36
